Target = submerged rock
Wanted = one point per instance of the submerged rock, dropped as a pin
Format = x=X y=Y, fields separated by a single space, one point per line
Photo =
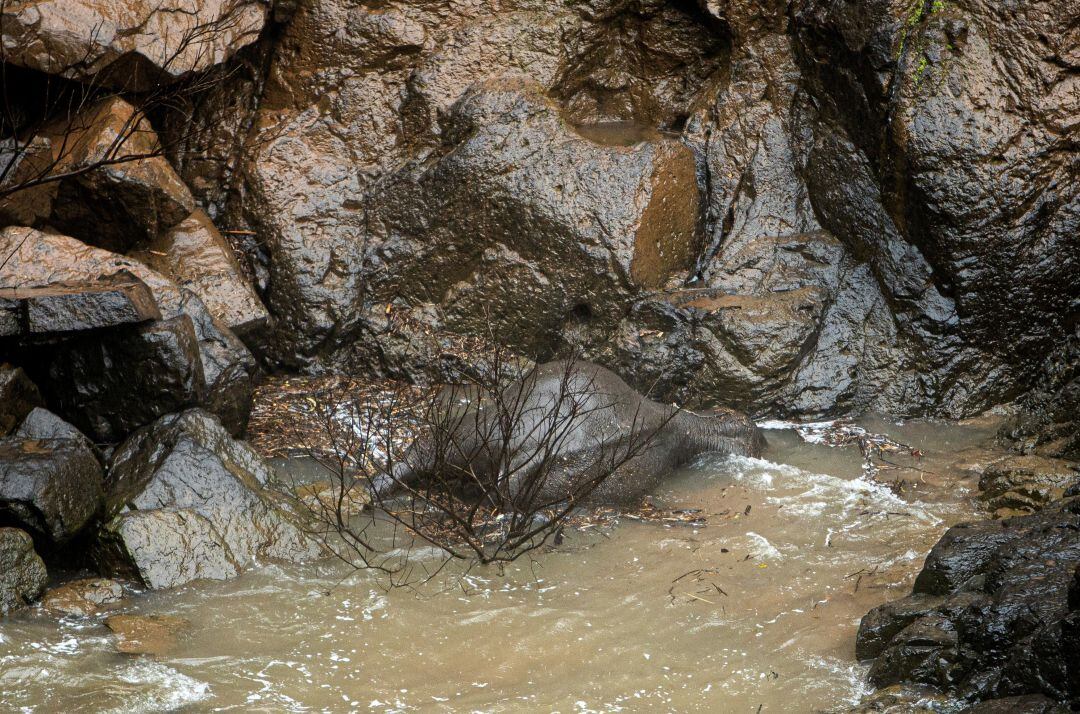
x=22 y=572
x=82 y=597
x=186 y=501
x=146 y=634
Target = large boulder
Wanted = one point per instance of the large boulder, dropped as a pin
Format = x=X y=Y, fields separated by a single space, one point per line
x=186 y=501
x=22 y=573
x=109 y=382
x=115 y=205
x=523 y=221
x=134 y=44
x=995 y=612
x=343 y=113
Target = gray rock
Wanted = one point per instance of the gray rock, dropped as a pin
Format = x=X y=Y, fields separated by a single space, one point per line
x=165 y=548
x=117 y=299
x=1004 y=620
x=224 y=514
x=110 y=385
x=51 y=487
x=22 y=573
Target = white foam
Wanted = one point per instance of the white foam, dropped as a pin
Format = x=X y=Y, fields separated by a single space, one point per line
x=162 y=688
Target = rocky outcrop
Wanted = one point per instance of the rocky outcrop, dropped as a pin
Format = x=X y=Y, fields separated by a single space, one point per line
x=995 y=612
x=185 y=502
x=109 y=382
x=134 y=44
x=22 y=573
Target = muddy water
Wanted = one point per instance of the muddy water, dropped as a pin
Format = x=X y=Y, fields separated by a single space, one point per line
x=757 y=609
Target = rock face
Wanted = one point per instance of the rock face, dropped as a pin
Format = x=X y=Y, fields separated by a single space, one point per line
x=22 y=574
x=847 y=251
x=134 y=44
x=109 y=382
x=995 y=612
x=185 y=501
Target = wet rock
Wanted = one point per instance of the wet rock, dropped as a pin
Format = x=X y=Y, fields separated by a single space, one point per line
x=228 y=369
x=924 y=652
x=882 y=623
x=185 y=501
x=381 y=96
x=112 y=207
x=51 y=487
x=198 y=258
x=146 y=634
x=1021 y=483
x=932 y=160
x=22 y=573
x=1047 y=423
x=164 y=548
x=524 y=221
x=111 y=385
x=1005 y=622
x=134 y=44
x=1035 y=704
x=82 y=597
x=43 y=425
x=18 y=397
x=117 y=299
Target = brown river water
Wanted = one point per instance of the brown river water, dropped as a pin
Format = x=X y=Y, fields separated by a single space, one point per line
x=754 y=612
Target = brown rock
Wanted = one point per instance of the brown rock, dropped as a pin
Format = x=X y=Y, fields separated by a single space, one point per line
x=18 y=397
x=138 y=42
x=197 y=257
x=146 y=634
x=82 y=597
x=1026 y=483
x=112 y=206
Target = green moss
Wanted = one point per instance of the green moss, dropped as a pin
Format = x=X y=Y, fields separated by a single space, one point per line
x=920 y=69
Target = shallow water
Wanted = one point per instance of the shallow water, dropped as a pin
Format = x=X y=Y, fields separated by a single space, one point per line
x=797 y=548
